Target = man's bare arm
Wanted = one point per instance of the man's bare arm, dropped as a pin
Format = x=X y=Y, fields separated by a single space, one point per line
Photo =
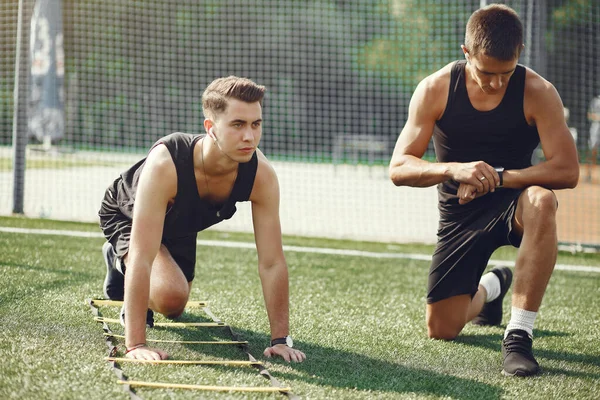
x=156 y=186
x=406 y=166
x=272 y=266
x=560 y=170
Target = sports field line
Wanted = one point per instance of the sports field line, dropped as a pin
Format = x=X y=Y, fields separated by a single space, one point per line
x=299 y=249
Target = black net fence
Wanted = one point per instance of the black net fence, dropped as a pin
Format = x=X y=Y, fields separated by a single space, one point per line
x=339 y=74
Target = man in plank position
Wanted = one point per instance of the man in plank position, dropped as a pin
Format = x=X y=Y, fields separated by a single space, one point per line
x=152 y=213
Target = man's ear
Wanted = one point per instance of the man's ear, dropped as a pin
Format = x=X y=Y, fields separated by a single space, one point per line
x=465 y=50
x=466 y=53
x=208 y=125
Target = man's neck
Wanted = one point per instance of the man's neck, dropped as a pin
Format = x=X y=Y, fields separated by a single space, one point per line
x=216 y=162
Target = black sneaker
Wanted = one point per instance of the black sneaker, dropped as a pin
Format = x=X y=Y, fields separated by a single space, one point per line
x=149 y=317
x=518 y=354
x=491 y=313
x=114 y=283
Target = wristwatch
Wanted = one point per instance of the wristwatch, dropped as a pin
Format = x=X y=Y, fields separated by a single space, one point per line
x=500 y=171
x=284 y=340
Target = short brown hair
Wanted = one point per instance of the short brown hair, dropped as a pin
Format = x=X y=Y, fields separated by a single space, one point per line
x=219 y=91
x=496 y=31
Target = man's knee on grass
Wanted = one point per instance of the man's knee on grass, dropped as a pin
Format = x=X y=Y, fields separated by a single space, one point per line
x=446 y=318
x=444 y=327
x=442 y=332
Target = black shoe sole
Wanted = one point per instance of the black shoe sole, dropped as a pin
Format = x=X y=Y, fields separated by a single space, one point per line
x=521 y=374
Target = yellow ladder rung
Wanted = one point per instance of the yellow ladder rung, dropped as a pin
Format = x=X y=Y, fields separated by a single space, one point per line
x=184 y=362
x=103 y=302
x=206 y=387
x=165 y=324
x=185 y=341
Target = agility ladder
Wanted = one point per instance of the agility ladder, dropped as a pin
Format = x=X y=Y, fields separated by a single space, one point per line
x=129 y=385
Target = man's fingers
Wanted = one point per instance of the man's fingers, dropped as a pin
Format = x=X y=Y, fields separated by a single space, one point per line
x=466 y=193
x=268 y=352
x=163 y=355
x=293 y=356
x=298 y=356
x=288 y=354
x=478 y=181
x=495 y=175
x=482 y=176
x=489 y=178
x=144 y=353
x=486 y=181
x=282 y=352
x=303 y=356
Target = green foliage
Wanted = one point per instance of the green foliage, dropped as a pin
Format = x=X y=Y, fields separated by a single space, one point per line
x=336 y=48
x=414 y=36
x=332 y=67
x=574 y=12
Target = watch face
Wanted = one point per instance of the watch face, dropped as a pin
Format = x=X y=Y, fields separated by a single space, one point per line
x=289 y=342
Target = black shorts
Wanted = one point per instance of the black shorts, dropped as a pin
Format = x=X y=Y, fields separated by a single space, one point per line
x=466 y=243
x=117 y=229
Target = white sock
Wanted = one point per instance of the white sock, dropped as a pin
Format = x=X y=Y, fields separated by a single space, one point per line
x=491 y=283
x=521 y=319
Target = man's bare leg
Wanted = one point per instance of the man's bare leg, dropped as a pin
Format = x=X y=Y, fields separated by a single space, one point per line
x=535 y=219
x=169 y=288
x=446 y=318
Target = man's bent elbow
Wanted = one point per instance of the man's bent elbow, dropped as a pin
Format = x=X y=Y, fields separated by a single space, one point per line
x=572 y=177
x=395 y=177
x=565 y=176
x=396 y=174
x=399 y=179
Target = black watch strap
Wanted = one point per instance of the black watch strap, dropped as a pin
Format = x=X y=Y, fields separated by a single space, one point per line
x=281 y=340
x=287 y=340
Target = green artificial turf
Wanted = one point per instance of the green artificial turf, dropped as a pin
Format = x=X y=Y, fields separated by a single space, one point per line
x=360 y=321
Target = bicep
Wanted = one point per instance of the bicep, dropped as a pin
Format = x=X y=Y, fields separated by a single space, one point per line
x=555 y=138
x=422 y=116
x=156 y=183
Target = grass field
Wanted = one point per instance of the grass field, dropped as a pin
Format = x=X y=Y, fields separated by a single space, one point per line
x=360 y=320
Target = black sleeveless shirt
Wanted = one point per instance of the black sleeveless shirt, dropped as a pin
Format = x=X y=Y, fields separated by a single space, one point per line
x=190 y=213
x=501 y=137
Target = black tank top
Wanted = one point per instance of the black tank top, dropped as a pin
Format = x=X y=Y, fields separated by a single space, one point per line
x=190 y=213
x=501 y=137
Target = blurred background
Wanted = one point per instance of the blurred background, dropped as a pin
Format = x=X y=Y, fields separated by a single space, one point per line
x=99 y=81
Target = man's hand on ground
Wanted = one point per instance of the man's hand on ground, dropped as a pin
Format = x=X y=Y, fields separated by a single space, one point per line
x=146 y=353
x=285 y=352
